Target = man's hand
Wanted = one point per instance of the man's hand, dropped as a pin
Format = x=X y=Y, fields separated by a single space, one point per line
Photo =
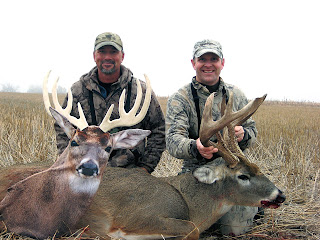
x=206 y=152
x=239 y=132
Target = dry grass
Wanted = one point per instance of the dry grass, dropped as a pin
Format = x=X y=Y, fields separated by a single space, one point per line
x=26 y=130
x=287 y=151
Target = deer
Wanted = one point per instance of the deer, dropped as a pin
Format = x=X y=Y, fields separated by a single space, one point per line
x=131 y=204
x=50 y=201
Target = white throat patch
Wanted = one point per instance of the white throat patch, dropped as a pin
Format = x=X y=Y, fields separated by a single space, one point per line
x=83 y=185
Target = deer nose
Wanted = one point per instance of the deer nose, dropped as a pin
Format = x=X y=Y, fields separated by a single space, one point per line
x=88 y=169
x=281 y=197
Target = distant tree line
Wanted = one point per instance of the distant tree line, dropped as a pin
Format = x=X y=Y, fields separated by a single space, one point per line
x=8 y=87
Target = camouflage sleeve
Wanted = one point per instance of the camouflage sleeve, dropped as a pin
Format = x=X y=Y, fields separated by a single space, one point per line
x=177 y=127
x=154 y=121
x=250 y=134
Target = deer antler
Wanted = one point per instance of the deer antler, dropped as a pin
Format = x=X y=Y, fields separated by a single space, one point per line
x=130 y=118
x=81 y=122
x=227 y=144
x=126 y=119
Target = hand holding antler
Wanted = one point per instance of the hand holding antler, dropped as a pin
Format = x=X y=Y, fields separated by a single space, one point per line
x=206 y=152
x=239 y=133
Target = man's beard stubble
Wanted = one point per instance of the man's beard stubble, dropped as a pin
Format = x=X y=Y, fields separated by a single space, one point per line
x=110 y=71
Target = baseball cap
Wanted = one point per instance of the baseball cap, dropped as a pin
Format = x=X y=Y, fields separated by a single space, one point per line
x=206 y=46
x=108 y=38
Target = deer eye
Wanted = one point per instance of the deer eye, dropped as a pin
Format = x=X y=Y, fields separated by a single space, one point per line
x=244 y=177
x=74 y=143
x=108 y=149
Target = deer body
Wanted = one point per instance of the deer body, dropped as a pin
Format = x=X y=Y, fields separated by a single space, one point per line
x=44 y=215
x=140 y=206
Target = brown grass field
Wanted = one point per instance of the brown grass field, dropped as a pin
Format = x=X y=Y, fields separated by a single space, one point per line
x=287 y=151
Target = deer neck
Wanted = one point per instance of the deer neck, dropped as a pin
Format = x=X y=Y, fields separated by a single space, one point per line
x=201 y=199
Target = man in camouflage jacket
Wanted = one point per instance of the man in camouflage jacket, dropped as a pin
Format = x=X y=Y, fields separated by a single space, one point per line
x=182 y=129
x=102 y=87
x=182 y=122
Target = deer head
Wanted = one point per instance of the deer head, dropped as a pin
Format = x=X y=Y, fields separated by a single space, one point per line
x=236 y=160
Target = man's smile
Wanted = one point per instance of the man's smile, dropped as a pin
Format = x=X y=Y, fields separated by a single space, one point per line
x=108 y=64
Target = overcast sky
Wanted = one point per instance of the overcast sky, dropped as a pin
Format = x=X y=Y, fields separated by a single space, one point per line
x=269 y=46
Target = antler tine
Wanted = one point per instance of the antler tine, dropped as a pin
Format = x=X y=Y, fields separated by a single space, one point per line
x=45 y=93
x=130 y=118
x=247 y=111
x=81 y=123
x=229 y=150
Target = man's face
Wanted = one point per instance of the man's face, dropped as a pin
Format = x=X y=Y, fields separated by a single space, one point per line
x=108 y=59
x=208 y=68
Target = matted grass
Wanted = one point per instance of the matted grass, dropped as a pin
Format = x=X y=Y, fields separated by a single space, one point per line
x=287 y=151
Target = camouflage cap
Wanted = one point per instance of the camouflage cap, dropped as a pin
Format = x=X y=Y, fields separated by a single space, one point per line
x=108 y=38
x=206 y=46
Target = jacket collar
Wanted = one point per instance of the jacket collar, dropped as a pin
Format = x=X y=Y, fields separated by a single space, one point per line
x=201 y=87
x=91 y=82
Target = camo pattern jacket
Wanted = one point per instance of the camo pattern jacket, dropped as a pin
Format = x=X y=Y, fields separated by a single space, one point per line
x=182 y=121
x=146 y=154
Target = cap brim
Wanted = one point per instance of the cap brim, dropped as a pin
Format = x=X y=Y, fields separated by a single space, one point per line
x=203 y=51
x=99 y=45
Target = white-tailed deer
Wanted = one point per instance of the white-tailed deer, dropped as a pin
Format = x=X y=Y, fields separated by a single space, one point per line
x=51 y=202
x=131 y=204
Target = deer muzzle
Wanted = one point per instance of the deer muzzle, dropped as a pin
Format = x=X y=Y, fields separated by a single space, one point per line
x=88 y=169
x=276 y=202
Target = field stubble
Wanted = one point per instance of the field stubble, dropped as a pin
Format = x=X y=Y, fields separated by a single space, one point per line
x=287 y=151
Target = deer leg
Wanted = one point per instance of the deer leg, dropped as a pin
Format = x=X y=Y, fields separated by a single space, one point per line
x=183 y=229
x=171 y=228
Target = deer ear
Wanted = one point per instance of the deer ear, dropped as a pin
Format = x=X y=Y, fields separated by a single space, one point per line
x=129 y=138
x=63 y=122
x=207 y=175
